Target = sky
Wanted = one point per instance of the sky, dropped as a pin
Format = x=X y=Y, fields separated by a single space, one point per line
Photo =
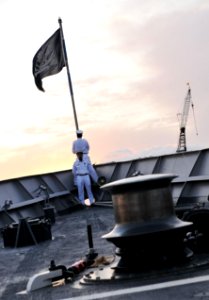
x=130 y=62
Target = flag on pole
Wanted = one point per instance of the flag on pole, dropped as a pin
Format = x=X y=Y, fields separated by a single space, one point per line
x=49 y=59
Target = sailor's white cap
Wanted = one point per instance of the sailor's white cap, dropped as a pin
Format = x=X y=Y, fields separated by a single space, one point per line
x=79 y=131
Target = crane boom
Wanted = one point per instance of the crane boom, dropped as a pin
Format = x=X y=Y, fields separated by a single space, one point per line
x=186 y=109
x=184 y=116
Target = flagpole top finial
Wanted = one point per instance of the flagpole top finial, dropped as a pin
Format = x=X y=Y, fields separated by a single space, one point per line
x=59 y=20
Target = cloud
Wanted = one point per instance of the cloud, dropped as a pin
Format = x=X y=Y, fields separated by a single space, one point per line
x=36 y=159
x=120 y=155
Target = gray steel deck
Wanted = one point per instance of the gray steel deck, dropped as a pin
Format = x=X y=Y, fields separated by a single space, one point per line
x=70 y=244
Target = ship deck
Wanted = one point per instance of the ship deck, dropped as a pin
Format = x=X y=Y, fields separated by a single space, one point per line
x=70 y=244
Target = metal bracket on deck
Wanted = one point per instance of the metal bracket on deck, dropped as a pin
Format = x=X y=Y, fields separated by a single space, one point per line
x=42 y=279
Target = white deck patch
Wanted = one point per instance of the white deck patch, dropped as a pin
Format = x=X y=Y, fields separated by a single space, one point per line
x=140 y=289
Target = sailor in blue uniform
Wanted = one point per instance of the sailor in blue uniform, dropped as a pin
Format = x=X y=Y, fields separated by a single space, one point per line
x=81 y=172
x=82 y=145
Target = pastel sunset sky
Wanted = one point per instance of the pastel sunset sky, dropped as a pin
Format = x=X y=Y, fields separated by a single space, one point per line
x=130 y=61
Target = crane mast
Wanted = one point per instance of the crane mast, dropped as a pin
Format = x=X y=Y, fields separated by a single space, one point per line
x=184 y=116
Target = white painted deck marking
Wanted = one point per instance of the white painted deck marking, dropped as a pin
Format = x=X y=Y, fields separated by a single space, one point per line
x=140 y=289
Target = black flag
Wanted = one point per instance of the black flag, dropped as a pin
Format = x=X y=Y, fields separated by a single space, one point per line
x=49 y=59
